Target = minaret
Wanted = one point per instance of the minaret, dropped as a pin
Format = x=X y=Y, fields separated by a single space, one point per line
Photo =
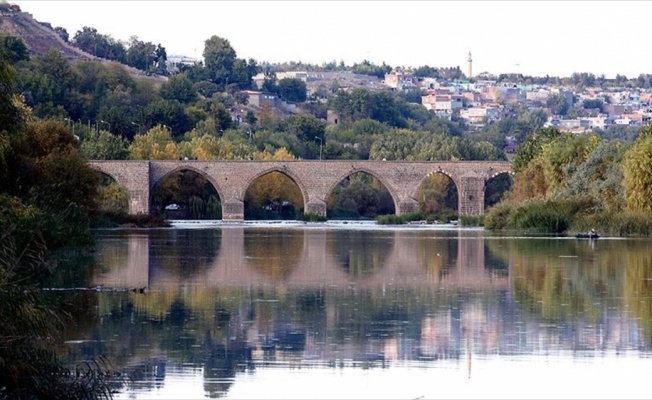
x=470 y=75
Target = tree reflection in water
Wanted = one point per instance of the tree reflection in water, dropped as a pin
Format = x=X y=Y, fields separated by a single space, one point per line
x=526 y=296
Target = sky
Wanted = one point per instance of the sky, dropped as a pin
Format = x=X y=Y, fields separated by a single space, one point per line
x=537 y=38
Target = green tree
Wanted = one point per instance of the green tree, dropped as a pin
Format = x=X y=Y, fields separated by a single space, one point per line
x=103 y=145
x=637 y=173
x=557 y=104
x=532 y=147
x=14 y=48
x=179 y=88
x=219 y=58
x=561 y=157
x=141 y=55
x=305 y=127
x=601 y=176
x=292 y=90
x=10 y=105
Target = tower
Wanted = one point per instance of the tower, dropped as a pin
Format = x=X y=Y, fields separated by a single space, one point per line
x=470 y=74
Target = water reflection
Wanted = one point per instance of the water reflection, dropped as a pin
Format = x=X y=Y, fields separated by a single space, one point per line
x=288 y=298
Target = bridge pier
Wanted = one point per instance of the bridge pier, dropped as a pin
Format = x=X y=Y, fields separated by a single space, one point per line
x=317 y=207
x=233 y=210
x=471 y=195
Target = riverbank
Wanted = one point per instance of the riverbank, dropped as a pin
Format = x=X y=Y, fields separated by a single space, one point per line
x=331 y=224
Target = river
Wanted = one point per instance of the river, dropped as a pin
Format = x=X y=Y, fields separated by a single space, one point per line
x=360 y=311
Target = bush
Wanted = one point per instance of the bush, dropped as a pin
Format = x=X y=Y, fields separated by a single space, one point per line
x=392 y=219
x=496 y=218
x=472 y=220
x=616 y=223
x=544 y=216
x=115 y=220
x=311 y=217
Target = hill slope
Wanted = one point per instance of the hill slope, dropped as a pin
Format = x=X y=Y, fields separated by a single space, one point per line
x=40 y=38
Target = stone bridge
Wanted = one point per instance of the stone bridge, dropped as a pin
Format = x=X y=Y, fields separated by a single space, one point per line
x=316 y=179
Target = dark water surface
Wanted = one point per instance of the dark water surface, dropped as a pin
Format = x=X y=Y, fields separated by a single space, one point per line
x=355 y=311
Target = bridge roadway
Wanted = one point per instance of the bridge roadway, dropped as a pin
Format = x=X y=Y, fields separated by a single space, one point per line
x=315 y=179
x=401 y=259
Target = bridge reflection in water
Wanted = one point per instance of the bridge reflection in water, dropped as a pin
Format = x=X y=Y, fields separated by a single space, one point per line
x=301 y=258
x=235 y=299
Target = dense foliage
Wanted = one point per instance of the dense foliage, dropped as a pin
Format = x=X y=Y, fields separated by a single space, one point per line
x=47 y=197
x=567 y=182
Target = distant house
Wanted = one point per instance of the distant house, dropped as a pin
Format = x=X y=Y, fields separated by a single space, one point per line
x=442 y=104
x=401 y=80
x=174 y=63
x=258 y=99
x=332 y=117
x=480 y=115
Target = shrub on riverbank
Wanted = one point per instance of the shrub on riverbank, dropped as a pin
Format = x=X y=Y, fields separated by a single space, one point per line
x=122 y=220
x=393 y=219
x=561 y=216
x=30 y=327
x=612 y=223
x=472 y=220
x=311 y=217
x=542 y=216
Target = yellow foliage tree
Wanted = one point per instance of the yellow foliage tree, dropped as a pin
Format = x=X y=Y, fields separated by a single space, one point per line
x=156 y=144
x=206 y=147
x=637 y=173
x=530 y=183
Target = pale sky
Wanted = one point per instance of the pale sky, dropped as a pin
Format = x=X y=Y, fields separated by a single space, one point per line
x=531 y=37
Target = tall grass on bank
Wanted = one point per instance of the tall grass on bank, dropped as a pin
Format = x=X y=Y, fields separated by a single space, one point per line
x=30 y=326
x=540 y=216
x=561 y=216
x=610 y=223
x=472 y=220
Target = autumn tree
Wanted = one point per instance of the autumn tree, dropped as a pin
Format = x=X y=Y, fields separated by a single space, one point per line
x=157 y=144
x=637 y=173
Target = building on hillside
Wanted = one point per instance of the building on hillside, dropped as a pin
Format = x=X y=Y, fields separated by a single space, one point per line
x=480 y=115
x=442 y=104
x=637 y=119
x=174 y=63
x=332 y=117
x=400 y=80
x=302 y=75
x=473 y=99
x=615 y=110
x=258 y=99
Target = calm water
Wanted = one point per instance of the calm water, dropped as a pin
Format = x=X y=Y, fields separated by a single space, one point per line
x=356 y=311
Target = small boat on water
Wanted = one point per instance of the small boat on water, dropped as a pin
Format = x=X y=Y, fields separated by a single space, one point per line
x=592 y=234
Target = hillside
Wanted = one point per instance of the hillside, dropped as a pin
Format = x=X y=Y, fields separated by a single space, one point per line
x=40 y=38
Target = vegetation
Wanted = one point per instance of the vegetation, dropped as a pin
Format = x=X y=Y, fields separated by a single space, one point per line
x=47 y=199
x=565 y=182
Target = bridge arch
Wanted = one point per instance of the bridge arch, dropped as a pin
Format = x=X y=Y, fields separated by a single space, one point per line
x=155 y=184
x=442 y=172
x=283 y=170
x=354 y=170
x=496 y=185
